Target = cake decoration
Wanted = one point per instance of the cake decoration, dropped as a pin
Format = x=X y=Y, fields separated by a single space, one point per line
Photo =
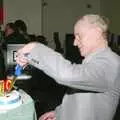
x=9 y=97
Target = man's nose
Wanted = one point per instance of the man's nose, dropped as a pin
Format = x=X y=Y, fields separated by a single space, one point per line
x=74 y=42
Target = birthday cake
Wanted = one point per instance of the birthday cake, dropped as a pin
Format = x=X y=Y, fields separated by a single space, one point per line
x=10 y=100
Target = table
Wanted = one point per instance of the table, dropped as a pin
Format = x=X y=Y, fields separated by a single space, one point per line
x=26 y=111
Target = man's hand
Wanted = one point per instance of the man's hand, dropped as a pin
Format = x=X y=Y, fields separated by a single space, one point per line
x=21 y=59
x=48 y=116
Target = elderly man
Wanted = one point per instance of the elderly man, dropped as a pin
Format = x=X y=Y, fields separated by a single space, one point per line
x=94 y=83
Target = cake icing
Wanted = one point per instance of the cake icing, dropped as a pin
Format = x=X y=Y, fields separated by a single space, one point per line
x=10 y=100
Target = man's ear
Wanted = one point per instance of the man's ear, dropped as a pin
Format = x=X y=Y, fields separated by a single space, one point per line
x=98 y=29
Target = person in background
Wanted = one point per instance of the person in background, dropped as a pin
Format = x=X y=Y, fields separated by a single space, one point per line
x=56 y=39
x=9 y=29
x=32 y=37
x=95 y=84
x=2 y=65
x=22 y=28
x=12 y=36
x=41 y=39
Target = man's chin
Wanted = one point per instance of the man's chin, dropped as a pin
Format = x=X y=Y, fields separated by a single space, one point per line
x=82 y=54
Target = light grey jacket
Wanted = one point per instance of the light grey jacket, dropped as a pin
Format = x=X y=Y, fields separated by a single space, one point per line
x=99 y=72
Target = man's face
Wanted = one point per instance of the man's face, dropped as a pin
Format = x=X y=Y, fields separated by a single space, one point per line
x=8 y=30
x=85 y=38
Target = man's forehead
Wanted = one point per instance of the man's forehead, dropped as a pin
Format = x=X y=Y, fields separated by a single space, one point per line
x=84 y=26
x=81 y=25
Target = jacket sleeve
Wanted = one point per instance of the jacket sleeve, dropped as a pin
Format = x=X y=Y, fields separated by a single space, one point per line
x=90 y=76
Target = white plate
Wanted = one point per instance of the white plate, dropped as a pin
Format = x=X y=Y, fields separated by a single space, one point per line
x=24 y=77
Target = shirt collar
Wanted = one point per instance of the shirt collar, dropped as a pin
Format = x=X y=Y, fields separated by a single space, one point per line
x=91 y=55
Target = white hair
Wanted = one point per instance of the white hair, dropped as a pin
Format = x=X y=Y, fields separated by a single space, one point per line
x=100 y=21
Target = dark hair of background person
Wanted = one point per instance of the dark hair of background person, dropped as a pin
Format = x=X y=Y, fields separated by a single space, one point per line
x=32 y=37
x=41 y=39
x=22 y=28
x=21 y=25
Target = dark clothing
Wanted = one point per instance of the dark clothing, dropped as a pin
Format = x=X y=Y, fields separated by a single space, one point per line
x=2 y=66
x=15 y=38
